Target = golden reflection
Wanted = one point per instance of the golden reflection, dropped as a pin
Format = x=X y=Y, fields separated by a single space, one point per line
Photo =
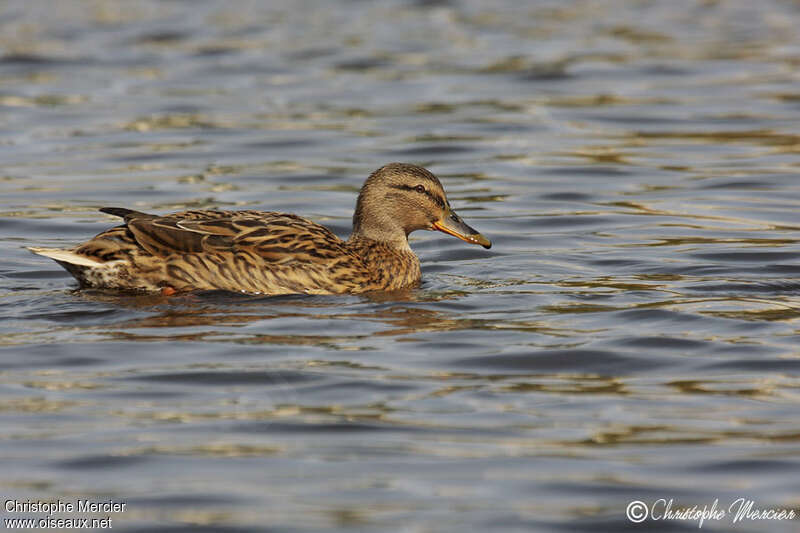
x=659 y=277
x=35 y=404
x=220 y=449
x=432 y=138
x=598 y=155
x=172 y=121
x=570 y=385
x=155 y=73
x=652 y=434
x=435 y=107
x=610 y=283
x=773 y=310
x=637 y=208
x=680 y=241
x=285 y=406
x=156 y=147
x=452 y=389
x=673 y=434
x=62 y=385
x=638 y=35
x=785 y=437
x=470 y=198
x=726 y=388
x=349 y=365
x=37 y=486
x=409 y=320
x=758 y=137
x=785 y=97
x=519 y=63
x=787 y=314
x=346 y=517
x=578 y=308
x=44 y=100
x=601 y=100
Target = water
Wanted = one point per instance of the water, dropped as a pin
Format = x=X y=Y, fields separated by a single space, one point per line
x=631 y=335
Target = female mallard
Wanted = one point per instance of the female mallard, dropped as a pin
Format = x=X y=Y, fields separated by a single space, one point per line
x=268 y=252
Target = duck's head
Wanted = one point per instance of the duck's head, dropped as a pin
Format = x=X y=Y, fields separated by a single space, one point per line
x=399 y=198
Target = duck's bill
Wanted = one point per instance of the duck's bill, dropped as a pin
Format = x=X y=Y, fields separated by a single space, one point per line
x=453 y=225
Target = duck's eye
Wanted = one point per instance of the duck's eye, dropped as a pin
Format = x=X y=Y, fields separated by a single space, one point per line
x=420 y=188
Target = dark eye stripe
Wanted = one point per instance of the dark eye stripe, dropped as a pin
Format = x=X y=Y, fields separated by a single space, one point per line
x=436 y=199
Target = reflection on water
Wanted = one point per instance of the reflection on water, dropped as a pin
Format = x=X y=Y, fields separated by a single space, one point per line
x=632 y=334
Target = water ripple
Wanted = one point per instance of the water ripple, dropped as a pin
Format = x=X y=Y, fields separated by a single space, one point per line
x=632 y=334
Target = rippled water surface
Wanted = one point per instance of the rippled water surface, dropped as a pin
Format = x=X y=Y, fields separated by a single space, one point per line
x=632 y=335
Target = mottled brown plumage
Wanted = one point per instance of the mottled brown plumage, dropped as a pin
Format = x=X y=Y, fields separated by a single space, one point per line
x=269 y=252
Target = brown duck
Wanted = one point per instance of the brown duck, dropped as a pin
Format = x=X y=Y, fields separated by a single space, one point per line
x=268 y=252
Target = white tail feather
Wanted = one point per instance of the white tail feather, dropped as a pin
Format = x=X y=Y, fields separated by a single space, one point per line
x=66 y=256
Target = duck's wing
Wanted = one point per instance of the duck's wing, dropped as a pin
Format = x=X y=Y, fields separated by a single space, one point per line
x=275 y=237
x=252 y=251
x=186 y=232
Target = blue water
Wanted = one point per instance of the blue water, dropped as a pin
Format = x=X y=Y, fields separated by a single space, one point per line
x=631 y=335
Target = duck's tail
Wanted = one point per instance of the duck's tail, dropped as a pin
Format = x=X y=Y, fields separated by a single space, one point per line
x=88 y=271
x=66 y=257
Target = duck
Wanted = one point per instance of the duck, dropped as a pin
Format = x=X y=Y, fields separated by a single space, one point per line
x=272 y=253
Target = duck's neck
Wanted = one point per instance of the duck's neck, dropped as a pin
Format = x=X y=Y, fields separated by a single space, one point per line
x=394 y=239
x=393 y=264
x=379 y=227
